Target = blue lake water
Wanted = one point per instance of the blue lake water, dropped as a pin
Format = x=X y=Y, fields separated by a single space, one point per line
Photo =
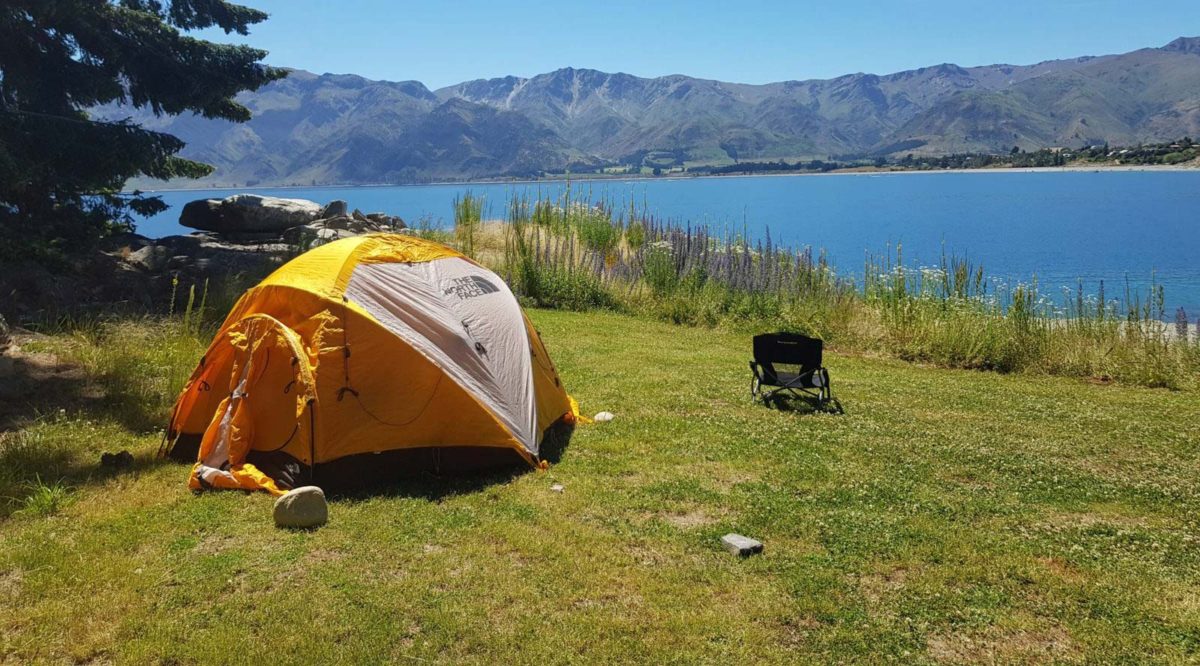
x=1060 y=227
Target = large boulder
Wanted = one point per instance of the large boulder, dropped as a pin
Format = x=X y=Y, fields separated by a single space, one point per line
x=303 y=507
x=248 y=213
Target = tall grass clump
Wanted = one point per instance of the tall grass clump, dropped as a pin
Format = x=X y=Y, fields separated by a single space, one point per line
x=44 y=499
x=546 y=264
x=468 y=222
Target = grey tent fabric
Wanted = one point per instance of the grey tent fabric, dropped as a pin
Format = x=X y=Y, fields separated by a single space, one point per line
x=464 y=319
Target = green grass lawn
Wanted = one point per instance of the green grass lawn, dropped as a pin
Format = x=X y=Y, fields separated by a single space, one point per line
x=948 y=516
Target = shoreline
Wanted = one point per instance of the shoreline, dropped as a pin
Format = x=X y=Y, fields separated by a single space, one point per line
x=1117 y=168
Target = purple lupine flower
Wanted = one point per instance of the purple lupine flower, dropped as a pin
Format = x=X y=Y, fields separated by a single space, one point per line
x=1181 y=324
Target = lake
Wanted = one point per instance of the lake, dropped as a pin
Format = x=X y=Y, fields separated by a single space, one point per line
x=1058 y=226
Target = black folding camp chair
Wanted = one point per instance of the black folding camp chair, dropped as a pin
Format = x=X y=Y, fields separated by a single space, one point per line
x=806 y=378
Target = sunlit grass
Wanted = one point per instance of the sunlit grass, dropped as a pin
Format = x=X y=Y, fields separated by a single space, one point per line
x=947 y=516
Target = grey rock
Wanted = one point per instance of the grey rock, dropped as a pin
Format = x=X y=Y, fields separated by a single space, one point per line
x=358 y=215
x=741 y=545
x=385 y=221
x=5 y=333
x=305 y=231
x=303 y=507
x=335 y=208
x=152 y=258
x=343 y=222
x=248 y=213
x=558 y=488
x=179 y=262
x=324 y=235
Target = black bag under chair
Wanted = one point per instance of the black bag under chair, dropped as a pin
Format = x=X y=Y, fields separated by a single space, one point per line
x=802 y=375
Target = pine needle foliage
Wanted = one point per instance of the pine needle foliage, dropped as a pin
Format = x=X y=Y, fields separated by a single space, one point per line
x=62 y=171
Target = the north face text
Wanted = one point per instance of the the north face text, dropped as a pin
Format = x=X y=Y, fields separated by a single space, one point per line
x=469 y=287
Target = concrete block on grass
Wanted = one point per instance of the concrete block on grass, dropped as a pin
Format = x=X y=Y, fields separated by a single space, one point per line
x=741 y=545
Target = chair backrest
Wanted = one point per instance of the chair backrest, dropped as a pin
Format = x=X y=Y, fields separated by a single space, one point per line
x=787 y=349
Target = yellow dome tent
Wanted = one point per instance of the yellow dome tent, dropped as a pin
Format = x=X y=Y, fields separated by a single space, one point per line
x=369 y=353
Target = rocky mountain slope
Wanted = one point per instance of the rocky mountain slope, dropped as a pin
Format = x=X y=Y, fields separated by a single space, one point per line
x=310 y=129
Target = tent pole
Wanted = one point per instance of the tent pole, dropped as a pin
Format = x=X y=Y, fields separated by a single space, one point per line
x=312 y=442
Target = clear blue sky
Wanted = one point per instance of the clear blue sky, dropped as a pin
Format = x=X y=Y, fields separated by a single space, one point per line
x=445 y=42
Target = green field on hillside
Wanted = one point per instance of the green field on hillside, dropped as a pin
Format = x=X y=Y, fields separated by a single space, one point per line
x=948 y=516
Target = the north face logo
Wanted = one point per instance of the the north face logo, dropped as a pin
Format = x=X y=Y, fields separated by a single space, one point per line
x=469 y=287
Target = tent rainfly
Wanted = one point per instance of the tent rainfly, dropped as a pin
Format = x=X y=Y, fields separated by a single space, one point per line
x=366 y=356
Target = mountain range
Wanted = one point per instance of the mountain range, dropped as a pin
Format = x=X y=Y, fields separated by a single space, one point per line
x=311 y=129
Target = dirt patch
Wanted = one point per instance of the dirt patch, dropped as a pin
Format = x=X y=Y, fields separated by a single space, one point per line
x=689 y=520
x=321 y=556
x=408 y=638
x=11 y=582
x=796 y=631
x=1061 y=568
x=1027 y=646
x=875 y=586
x=100 y=658
x=646 y=555
x=213 y=544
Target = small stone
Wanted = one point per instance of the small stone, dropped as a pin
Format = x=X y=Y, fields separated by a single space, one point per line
x=303 y=507
x=603 y=417
x=741 y=545
x=558 y=487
